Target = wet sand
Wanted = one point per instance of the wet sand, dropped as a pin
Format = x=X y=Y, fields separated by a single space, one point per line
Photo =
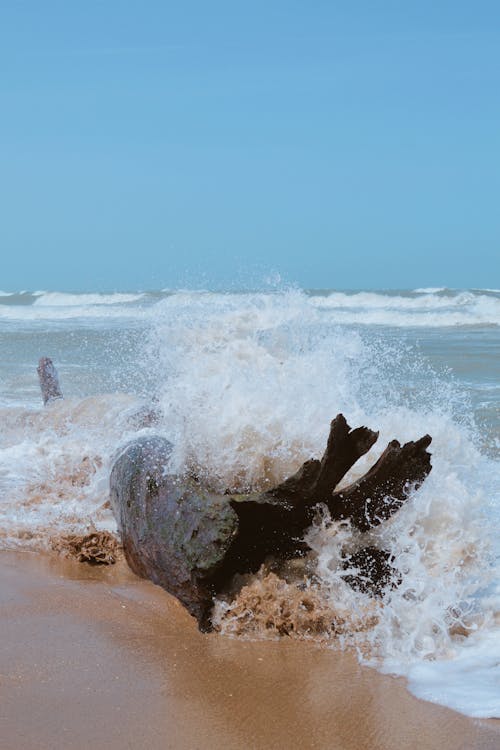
x=95 y=657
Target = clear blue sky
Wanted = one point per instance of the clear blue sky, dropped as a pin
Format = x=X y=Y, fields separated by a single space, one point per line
x=344 y=144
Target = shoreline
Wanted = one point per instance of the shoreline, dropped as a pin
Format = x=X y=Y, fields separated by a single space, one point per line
x=96 y=656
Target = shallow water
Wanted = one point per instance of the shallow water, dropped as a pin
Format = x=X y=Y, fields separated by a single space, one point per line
x=248 y=383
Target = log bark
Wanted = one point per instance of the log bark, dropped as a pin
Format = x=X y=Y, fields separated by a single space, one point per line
x=173 y=531
x=192 y=542
x=49 y=381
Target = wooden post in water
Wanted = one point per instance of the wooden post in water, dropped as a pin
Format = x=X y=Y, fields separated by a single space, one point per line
x=49 y=380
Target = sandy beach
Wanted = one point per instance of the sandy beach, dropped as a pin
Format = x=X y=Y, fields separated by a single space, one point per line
x=95 y=657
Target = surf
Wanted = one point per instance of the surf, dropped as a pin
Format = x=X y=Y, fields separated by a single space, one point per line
x=247 y=383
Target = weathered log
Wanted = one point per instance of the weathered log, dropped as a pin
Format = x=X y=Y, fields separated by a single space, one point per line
x=192 y=542
x=49 y=380
x=173 y=531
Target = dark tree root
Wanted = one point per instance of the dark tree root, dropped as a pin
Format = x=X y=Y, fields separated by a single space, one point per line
x=273 y=523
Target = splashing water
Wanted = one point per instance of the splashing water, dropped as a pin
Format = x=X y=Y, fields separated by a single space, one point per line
x=247 y=385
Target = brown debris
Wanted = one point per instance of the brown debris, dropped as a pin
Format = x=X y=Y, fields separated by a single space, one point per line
x=96 y=548
x=272 y=607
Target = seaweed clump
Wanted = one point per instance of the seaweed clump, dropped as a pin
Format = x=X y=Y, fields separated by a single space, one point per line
x=96 y=548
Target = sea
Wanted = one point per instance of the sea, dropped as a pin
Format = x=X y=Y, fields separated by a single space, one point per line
x=247 y=382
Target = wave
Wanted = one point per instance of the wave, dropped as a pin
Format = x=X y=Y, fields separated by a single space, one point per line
x=430 y=290
x=247 y=385
x=63 y=299
x=429 y=308
x=30 y=314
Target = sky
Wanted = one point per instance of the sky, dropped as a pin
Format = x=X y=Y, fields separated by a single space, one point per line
x=331 y=144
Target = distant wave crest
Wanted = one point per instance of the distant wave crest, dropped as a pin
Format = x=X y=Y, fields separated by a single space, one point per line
x=63 y=299
x=430 y=307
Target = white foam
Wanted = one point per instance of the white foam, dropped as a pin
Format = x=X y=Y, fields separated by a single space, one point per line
x=469 y=681
x=63 y=299
x=377 y=301
x=54 y=467
x=430 y=290
x=33 y=313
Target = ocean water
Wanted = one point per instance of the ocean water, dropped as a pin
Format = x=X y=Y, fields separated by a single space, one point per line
x=248 y=383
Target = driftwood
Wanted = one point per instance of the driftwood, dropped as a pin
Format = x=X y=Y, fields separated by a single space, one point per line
x=275 y=520
x=192 y=542
x=49 y=381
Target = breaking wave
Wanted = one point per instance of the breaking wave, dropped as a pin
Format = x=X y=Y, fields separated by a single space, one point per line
x=426 y=307
x=247 y=384
x=62 y=299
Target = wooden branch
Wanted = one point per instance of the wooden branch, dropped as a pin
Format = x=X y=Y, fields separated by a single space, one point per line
x=384 y=488
x=316 y=480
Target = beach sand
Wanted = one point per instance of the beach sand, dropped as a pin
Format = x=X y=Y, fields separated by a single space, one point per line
x=95 y=657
